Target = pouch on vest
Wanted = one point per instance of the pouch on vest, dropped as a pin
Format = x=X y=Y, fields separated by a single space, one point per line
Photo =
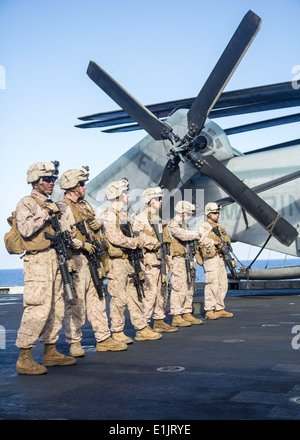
x=208 y=252
x=199 y=257
x=12 y=239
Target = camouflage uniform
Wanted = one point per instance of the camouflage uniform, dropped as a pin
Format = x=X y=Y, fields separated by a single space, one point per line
x=43 y=288
x=42 y=280
x=156 y=296
x=182 y=292
x=120 y=285
x=216 y=283
x=88 y=302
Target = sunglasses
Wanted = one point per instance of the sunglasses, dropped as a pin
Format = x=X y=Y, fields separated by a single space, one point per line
x=49 y=179
x=82 y=183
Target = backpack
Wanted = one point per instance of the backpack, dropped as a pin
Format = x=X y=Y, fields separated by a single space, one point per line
x=12 y=239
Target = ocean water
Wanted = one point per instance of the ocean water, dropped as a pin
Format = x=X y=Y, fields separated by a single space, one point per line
x=11 y=277
x=14 y=277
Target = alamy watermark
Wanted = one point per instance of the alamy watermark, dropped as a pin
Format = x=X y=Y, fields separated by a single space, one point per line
x=169 y=201
x=296 y=78
x=296 y=339
x=2 y=77
x=2 y=338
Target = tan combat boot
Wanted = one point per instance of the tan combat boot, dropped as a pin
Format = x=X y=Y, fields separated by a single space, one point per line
x=27 y=365
x=76 y=350
x=211 y=314
x=160 y=326
x=121 y=337
x=223 y=314
x=190 y=318
x=146 y=334
x=178 y=321
x=110 y=344
x=52 y=357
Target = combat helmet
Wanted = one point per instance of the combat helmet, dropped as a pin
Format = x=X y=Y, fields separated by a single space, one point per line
x=115 y=189
x=71 y=178
x=152 y=193
x=184 y=206
x=42 y=169
x=211 y=207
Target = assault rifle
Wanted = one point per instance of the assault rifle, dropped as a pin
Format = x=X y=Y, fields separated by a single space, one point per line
x=62 y=243
x=191 y=248
x=93 y=259
x=226 y=250
x=162 y=256
x=135 y=257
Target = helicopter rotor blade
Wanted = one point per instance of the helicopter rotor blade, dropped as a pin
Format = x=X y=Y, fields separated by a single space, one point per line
x=156 y=128
x=283 y=231
x=210 y=92
x=171 y=175
x=208 y=165
x=222 y=72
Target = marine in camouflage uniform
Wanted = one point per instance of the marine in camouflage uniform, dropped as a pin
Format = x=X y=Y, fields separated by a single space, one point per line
x=181 y=298
x=43 y=288
x=216 y=283
x=156 y=294
x=120 y=285
x=74 y=209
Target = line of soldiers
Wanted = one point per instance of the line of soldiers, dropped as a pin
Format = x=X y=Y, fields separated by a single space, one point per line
x=135 y=256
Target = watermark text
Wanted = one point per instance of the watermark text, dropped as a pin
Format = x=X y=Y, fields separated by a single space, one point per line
x=296 y=78
x=2 y=77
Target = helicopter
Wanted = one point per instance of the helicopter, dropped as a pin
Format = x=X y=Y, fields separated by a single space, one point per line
x=188 y=154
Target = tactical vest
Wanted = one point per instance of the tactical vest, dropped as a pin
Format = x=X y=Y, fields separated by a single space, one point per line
x=84 y=211
x=177 y=246
x=81 y=211
x=212 y=235
x=37 y=242
x=221 y=229
x=114 y=251
x=152 y=233
x=212 y=251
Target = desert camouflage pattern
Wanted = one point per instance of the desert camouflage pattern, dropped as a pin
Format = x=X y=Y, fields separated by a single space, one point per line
x=181 y=297
x=115 y=189
x=184 y=206
x=43 y=289
x=68 y=217
x=70 y=179
x=40 y=169
x=205 y=230
x=120 y=286
x=155 y=300
x=111 y=227
x=88 y=303
x=216 y=283
x=30 y=217
x=42 y=300
x=123 y=294
x=182 y=292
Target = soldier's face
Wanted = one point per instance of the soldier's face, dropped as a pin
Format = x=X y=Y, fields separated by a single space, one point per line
x=45 y=186
x=214 y=216
x=81 y=189
x=156 y=203
x=125 y=197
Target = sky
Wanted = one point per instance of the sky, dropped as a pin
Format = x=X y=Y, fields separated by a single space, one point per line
x=159 y=50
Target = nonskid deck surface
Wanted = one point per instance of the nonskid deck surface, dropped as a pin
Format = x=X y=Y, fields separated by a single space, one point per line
x=241 y=368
